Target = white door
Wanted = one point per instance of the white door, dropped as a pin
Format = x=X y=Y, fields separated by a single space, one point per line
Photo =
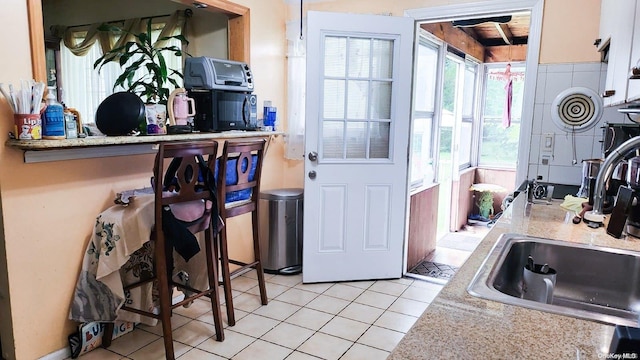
x=357 y=131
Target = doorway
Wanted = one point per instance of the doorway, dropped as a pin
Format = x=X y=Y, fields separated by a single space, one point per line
x=456 y=144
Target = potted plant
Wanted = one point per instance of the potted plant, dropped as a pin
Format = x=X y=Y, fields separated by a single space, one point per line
x=150 y=84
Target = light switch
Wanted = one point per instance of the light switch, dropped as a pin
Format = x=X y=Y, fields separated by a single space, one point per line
x=547 y=142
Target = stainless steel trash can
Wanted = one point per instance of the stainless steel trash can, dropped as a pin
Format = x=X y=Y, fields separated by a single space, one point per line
x=280 y=226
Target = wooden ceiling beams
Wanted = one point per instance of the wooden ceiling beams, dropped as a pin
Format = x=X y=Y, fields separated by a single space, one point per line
x=505 y=33
x=457 y=38
x=462 y=38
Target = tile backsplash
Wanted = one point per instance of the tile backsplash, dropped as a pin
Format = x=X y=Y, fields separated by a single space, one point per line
x=556 y=165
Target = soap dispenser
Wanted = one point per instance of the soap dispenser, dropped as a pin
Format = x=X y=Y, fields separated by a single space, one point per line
x=53 y=119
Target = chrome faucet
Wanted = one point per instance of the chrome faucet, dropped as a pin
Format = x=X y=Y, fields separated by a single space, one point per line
x=595 y=217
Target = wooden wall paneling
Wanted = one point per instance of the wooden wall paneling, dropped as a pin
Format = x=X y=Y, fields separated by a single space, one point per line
x=423 y=222
x=465 y=199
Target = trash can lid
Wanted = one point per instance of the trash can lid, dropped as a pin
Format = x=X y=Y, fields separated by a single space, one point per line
x=282 y=194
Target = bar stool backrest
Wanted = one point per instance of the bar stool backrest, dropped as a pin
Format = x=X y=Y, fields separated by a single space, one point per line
x=247 y=157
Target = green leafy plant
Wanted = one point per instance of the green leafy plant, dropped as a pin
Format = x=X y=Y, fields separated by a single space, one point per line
x=151 y=86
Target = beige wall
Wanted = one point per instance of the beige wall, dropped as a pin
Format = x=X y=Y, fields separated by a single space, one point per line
x=569 y=42
x=49 y=208
x=562 y=41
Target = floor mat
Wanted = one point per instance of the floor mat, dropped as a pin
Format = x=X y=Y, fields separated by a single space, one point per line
x=434 y=270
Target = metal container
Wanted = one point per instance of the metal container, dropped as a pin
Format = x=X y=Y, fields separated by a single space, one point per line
x=280 y=226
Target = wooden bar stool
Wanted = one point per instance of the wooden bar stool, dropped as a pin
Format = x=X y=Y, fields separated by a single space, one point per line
x=186 y=187
x=238 y=183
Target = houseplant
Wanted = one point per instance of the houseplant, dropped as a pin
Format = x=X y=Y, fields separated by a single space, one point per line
x=145 y=71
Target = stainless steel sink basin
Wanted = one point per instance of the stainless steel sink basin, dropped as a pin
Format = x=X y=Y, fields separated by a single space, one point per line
x=595 y=283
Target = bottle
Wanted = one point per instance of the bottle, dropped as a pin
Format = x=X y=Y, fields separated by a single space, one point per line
x=71 y=125
x=53 y=123
x=269 y=116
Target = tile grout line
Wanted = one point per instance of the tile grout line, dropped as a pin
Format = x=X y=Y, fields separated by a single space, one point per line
x=317 y=294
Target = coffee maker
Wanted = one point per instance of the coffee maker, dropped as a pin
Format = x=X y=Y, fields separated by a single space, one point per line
x=626 y=211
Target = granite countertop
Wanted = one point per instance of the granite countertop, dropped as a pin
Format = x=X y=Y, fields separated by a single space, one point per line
x=459 y=326
x=127 y=140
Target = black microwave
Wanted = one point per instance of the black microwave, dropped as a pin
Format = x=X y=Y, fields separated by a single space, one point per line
x=223 y=110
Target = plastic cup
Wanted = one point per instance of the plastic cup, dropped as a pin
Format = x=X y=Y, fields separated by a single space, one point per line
x=27 y=126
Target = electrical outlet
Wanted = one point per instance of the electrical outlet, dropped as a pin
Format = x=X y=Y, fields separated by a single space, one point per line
x=545 y=160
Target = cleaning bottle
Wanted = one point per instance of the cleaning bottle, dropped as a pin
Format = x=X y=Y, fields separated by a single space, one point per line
x=53 y=119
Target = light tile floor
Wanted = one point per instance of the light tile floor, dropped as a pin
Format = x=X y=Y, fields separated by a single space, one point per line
x=456 y=247
x=348 y=320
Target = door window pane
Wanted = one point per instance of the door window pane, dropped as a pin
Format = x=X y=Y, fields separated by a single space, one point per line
x=332 y=139
x=382 y=62
x=379 y=140
x=333 y=99
x=358 y=96
x=335 y=49
x=359 y=57
x=356 y=140
x=380 y=100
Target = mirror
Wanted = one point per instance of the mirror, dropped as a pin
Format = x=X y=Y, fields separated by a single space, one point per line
x=213 y=22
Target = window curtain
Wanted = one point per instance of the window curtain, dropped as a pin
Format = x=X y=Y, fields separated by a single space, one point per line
x=296 y=81
x=113 y=39
x=83 y=87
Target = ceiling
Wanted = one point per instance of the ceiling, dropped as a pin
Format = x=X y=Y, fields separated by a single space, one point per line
x=509 y=30
x=495 y=39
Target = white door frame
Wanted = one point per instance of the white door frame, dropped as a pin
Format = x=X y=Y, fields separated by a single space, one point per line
x=492 y=8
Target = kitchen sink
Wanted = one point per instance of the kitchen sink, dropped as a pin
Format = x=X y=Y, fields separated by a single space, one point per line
x=594 y=283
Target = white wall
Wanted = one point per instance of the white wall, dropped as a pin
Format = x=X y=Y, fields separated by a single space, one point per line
x=553 y=79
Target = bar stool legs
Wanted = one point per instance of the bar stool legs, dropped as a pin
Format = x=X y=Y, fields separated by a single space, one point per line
x=247 y=156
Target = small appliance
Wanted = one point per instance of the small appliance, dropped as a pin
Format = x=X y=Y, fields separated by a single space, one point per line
x=179 y=109
x=222 y=91
x=615 y=134
x=218 y=110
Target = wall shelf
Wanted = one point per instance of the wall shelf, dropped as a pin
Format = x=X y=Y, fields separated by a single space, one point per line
x=107 y=146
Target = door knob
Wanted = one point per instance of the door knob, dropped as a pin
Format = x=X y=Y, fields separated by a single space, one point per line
x=313 y=156
x=312 y=174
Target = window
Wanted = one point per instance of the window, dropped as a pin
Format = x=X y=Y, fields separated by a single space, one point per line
x=499 y=141
x=458 y=113
x=97 y=86
x=469 y=100
x=422 y=156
